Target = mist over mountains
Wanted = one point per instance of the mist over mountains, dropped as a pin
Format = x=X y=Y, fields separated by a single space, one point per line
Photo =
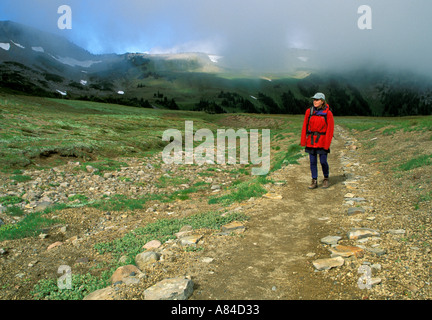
x=34 y=62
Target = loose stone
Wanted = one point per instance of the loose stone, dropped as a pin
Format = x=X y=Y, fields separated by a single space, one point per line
x=170 y=289
x=328 y=263
x=360 y=233
x=331 y=240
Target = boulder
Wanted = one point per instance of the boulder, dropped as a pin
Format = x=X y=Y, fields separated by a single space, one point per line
x=123 y=272
x=101 y=294
x=328 y=263
x=170 y=289
x=144 y=258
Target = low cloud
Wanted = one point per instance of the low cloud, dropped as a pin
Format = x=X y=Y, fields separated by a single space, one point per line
x=251 y=33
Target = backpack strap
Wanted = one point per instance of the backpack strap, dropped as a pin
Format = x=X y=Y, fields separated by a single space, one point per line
x=316 y=135
x=319 y=115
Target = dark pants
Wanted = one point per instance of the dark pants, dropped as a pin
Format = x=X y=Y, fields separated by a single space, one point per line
x=314 y=165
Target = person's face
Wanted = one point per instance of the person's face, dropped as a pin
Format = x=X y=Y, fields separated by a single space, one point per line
x=318 y=103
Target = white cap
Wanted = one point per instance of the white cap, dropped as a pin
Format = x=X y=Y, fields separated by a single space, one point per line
x=319 y=96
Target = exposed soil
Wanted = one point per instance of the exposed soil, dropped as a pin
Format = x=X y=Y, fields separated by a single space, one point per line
x=272 y=259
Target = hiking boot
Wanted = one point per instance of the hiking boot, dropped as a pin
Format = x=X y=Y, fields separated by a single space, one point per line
x=314 y=184
x=325 y=183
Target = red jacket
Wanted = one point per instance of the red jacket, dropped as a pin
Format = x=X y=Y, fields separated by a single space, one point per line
x=317 y=132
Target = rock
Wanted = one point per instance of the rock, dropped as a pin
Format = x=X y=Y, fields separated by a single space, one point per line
x=131 y=280
x=124 y=272
x=235 y=226
x=331 y=240
x=91 y=169
x=346 y=251
x=101 y=294
x=182 y=234
x=154 y=244
x=360 y=233
x=272 y=196
x=144 y=258
x=170 y=289
x=352 y=147
x=207 y=260
x=2 y=251
x=355 y=210
x=41 y=206
x=328 y=263
x=375 y=281
x=377 y=251
x=185 y=230
x=190 y=240
x=32 y=263
x=54 y=245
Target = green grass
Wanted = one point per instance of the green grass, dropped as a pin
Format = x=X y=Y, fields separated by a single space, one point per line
x=81 y=285
x=423 y=198
x=163 y=230
x=104 y=165
x=241 y=191
x=21 y=178
x=15 y=211
x=121 y=203
x=420 y=161
x=291 y=156
x=389 y=125
x=39 y=128
x=7 y=200
x=166 y=181
x=30 y=226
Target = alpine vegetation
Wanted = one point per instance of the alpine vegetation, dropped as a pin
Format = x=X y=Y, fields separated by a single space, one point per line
x=205 y=152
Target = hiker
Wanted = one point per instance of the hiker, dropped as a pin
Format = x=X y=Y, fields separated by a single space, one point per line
x=316 y=136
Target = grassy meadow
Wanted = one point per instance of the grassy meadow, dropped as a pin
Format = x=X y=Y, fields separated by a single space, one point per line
x=41 y=133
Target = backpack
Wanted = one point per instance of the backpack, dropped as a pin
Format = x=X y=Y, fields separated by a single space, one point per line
x=320 y=115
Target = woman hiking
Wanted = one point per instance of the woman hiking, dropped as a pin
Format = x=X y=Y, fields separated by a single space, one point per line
x=316 y=136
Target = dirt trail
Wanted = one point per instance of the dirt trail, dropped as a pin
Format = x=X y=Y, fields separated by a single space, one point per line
x=271 y=260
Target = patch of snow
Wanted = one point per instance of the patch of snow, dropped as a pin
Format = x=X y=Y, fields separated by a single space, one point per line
x=62 y=93
x=83 y=82
x=214 y=58
x=38 y=49
x=73 y=62
x=5 y=46
x=120 y=92
x=18 y=45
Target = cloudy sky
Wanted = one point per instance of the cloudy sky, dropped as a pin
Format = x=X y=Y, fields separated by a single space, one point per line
x=252 y=32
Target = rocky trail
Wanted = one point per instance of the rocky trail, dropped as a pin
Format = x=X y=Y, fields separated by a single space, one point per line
x=361 y=238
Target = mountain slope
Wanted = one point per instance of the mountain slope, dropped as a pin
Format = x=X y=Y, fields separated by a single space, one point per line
x=39 y=63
